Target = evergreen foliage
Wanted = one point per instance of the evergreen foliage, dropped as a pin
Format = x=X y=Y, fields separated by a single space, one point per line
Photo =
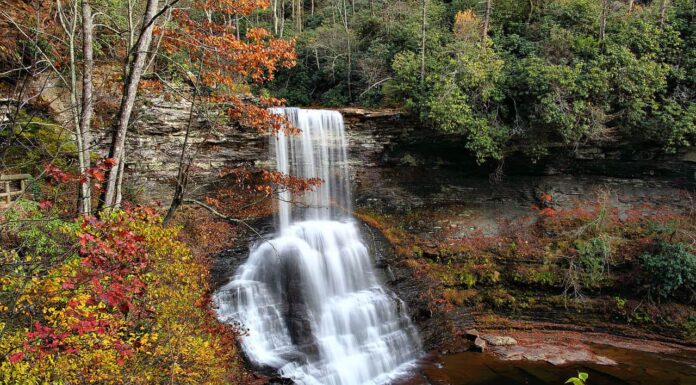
x=547 y=72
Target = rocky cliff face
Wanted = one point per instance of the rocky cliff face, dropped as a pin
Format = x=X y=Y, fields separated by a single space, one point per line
x=155 y=142
x=385 y=146
x=425 y=181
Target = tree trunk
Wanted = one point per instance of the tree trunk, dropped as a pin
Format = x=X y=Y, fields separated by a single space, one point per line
x=275 y=17
x=87 y=103
x=282 y=17
x=114 y=180
x=603 y=19
x=70 y=27
x=347 y=29
x=316 y=57
x=158 y=44
x=182 y=176
x=424 y=18
x=237 y=26
x=486 y=20
x=663 y=12
x=131 y=38
x=298 y=16
x=184 y=162
x=630 y=5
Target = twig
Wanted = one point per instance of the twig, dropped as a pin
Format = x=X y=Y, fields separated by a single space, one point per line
x=374 y=85
x=218 y=214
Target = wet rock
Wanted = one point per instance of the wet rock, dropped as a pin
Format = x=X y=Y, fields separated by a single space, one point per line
x=280 y=381
x=297 y=318
x=689 y=156
x=500 y=340
x=424 y=313
x=456 y=346
x=298 y=355
x=556 y=361
x=554 y=354
x=602 y=360
x=479 y=345
x=472 y=334
x=463 y=346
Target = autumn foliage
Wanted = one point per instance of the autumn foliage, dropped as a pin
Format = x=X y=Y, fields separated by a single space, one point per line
x=226 y=63
x=110 y=301
x=579 y=258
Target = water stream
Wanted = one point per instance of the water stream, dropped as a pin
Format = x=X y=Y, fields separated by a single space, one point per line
x=310 y=298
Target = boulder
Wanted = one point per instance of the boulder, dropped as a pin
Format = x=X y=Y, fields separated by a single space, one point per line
x=471 y=334
x=479 y=345
x=500 y=340
x=280 y=381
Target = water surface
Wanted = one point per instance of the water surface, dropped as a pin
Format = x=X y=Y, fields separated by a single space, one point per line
x=634 y=368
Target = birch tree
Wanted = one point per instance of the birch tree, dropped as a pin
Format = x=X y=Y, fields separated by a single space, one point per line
x=343 y=11
x=663 y=12
x=81 y=103
x=113 y=193
x=87 y=104
x=603 y=19
x=424 y=22
x=486 y=20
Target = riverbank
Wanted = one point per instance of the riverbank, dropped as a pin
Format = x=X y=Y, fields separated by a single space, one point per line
x=550 y=357
x=551 y=352
x=458 y=265
x=566 y=250
x=545 y=249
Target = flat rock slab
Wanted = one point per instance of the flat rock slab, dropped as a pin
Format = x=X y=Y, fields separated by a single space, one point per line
x=499 y=340
x=563 y=347
x=553 y=354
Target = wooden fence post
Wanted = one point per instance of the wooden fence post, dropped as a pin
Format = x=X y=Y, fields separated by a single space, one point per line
x=7 y=185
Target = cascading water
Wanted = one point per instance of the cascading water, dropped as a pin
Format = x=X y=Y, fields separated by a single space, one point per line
x=310 y=299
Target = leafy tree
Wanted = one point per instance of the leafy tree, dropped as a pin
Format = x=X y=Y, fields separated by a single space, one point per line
x=108 y=301
x=670 y=268
x=567 y=72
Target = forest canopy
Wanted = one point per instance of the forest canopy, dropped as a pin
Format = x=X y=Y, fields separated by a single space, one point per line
x=502 y=72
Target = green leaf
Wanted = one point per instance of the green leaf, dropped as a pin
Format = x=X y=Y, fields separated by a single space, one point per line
x=583 y=376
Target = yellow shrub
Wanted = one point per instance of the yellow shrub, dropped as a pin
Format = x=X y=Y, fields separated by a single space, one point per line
x=142 y=319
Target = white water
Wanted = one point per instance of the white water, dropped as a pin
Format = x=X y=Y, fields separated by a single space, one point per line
x=310 y=299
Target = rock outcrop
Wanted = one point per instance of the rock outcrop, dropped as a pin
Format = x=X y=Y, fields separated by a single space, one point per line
x=155 y=141
x=384 y=140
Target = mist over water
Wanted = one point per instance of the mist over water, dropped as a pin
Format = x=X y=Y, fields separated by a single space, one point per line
x=310 y=299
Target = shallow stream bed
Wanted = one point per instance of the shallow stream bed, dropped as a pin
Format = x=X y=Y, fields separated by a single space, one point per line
x=633 y=368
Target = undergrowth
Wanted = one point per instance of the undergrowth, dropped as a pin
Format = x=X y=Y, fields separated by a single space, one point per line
x=575 y=259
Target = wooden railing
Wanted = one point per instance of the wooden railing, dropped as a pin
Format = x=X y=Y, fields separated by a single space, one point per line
x=13 y=185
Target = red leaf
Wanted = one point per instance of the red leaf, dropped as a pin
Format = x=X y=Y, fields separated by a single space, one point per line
x=96 y=174
x=548 y=212
x=16 y=357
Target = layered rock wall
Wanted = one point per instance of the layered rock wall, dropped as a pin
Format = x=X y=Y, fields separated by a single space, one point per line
x=379 y=140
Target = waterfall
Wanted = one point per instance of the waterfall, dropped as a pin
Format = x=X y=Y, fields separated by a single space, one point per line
x=310 y=300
